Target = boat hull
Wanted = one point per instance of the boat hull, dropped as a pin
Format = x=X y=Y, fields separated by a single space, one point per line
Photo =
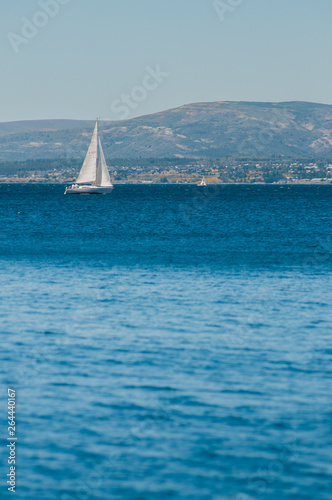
x=89 y=190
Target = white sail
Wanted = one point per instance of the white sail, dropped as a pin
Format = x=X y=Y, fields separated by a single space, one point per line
x=89 y=167
x=103 y=176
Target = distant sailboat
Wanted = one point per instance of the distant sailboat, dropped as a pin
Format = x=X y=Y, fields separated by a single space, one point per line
x=202 y=183
x=94 y=177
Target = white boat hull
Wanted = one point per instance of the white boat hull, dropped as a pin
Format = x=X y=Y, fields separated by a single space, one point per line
x=89 y=190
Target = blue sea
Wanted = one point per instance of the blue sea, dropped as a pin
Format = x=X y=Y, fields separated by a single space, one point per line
x=168 y=342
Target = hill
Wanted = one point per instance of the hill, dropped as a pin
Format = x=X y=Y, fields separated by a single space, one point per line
x=7 y=128
x=202 y=130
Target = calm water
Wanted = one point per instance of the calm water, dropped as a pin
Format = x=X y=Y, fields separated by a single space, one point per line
x=168 y=342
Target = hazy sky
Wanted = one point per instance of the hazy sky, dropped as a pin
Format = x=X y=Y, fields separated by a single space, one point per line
x=86 y=57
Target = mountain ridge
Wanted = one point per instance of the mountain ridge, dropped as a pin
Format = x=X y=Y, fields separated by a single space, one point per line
x=206 y=129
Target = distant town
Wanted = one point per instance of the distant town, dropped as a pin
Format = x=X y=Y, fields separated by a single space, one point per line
x=178 y=171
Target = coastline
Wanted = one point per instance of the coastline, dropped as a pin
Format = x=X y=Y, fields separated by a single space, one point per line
x=147 y=183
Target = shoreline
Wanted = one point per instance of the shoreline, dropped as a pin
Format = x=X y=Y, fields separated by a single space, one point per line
x=46 y=183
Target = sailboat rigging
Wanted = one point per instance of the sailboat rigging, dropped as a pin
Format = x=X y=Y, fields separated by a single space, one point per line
x=94 y=177
x=202 y=183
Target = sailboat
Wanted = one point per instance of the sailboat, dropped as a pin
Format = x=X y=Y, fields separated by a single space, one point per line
x=94 y=177
x=202 y=183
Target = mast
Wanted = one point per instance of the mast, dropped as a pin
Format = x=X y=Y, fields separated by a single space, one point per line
x=89 y=167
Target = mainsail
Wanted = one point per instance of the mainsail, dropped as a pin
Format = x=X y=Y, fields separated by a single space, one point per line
x=89 y=167
x=103 y=176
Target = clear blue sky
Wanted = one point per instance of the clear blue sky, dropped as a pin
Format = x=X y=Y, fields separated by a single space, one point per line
x=94 y=51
